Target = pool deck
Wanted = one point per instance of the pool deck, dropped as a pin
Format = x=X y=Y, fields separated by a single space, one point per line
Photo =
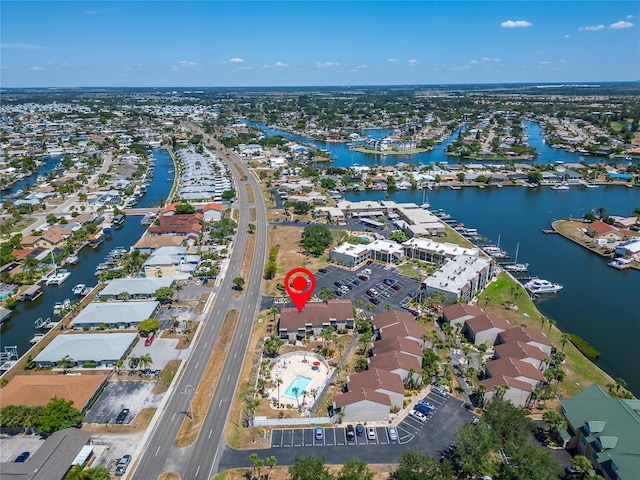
x=303 y=364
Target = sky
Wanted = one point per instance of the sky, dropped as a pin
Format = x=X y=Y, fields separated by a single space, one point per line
x=304 y=43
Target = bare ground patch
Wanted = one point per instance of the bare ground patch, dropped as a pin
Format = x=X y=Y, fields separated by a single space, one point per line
x=250 y=195
x=201 y=401
x=166 y=376
x=139 y=424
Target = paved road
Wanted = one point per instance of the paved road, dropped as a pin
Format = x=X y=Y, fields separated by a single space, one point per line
x=200 y=459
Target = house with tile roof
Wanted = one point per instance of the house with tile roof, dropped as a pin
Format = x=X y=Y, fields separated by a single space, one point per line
x=362 y=405
x=381 y=381
x=485 y=329
x=606 y=430
x=526 y=335
x=398 y=362
x=522 y=351
x=458 y=313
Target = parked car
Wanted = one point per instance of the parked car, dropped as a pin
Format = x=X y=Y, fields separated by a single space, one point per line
x=364 y=278
x=122 y=416
x=122 y=465
x=395 y=286
x=22 y=457
x=337 y=284
x=375 y=301
x=371 y=433
x=380 y=286
x=440 y=391
x=149 y=339
x=389 y=281
x=322 y=270
x=370 y=293
x=319 y=433
x=414 y=312
x=429 y=405
x=359 y=430
x=422 y=409
x=393 y=433
x=351 y=433
x=418 y=415
x=356 y=282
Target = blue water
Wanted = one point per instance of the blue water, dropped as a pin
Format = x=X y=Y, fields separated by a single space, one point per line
x=598 y=302
x=301 y=382
x=50 y=162
x=160 y=187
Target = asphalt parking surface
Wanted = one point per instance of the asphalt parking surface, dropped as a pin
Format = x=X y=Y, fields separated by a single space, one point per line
x=134 y=395
x=161 y=351
x=386 y=294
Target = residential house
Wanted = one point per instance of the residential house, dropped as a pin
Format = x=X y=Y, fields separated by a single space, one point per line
x=484 y=329
x=458 y=313
x=399 y=363
x=401 y=344
x=522 y=351
x=212 y=212
x=528 y=336
x=362 y=405
x=381 y=381
x=395 y=323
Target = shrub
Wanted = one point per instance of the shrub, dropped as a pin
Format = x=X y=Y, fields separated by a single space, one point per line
x=585 y=347
x=89 y=365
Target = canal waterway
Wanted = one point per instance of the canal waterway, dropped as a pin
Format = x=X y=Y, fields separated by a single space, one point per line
x=20 y=328
x=598 y=303
x=48 y=164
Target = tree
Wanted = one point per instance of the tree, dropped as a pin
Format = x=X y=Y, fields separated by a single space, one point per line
x=272 y=345
x=555 y=421
x=315 y=238
x=325 y=294
x=355 y=469
x=228 y=195
x=398 y=236
x=58 y=414
x=164 y=294
x=78 y=472
x=309 y=468
x=183 y=208
x=418 y=466
x=582 y=464
x=564 y=339
x=145 y=361
x=509 y=423
x=257 y=464
x=66 y=363
x=238 y=282
x=145 y=327
x=271 y=461
x=474 y=445
x=301 y=208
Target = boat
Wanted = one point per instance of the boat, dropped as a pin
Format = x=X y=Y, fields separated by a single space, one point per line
x=620 y=263
x=539 y=286
x=60 y=276
x=425 y=201
x=590 y=185
x=148 y=218
x=515 y=266
x=455 y=187
x=36 y=338
x=561 y=186
x=78 y=289
x=118 y=220
x=72 y=259
x=629 y=185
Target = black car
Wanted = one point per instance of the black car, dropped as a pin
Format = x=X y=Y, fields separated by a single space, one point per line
x=356 y=282
x=337 y=284
x=389 y=281
x=323 y=270
x=22 y=457
x=351 y=433
x=122 y=416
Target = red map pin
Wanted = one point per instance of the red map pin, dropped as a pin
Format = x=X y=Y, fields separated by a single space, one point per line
x=300 y=287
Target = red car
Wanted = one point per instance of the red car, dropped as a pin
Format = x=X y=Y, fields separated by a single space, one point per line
x=149 y=340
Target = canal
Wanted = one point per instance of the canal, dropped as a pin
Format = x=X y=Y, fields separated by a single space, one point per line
x=20 y=328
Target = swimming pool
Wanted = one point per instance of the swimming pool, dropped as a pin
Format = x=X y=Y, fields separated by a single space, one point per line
x=301 y=383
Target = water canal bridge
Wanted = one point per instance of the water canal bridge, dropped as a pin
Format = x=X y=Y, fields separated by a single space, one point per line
x=142 y=211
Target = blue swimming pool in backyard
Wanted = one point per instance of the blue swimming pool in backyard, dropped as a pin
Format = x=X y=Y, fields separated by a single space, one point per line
x=300 y=382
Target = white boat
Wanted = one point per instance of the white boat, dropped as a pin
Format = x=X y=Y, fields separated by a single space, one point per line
x=78 y=289
x=425 y=201
x=72 y=259
x=562 y=186
x=455 y=187
x=515 y=266
x=60 y=276
x=620 y=263
x=539 y=286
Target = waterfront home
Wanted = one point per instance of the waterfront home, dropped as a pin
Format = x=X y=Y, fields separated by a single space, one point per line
x=315 y=317
x=484 y=329
x=386 y=251
x=114 y=314
x=526 y=335
x=149 y=243
x=522 y=351
x=458 y=313
x=629 y=250
x=188 y=225
x=134 y=288
x=435 y=252
x=101 y=349
x=604 y=429
x=49 y=239
x=463 y=277
x=518 y=392
x=170 y=262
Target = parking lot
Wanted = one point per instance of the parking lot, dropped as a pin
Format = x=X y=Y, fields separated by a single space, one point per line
x=118 y=395
x=435 y=434
x=374 y=293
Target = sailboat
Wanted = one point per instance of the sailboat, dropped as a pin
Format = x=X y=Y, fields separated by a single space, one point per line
x=425 y=200
x=515 y=266
x=60 y=275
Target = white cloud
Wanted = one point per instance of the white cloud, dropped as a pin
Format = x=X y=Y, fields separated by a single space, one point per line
x=187 y=63
x=412 y=62
x=592 y=28
x=489 y=59
x=544 y=62
x=37 y=69
x=22 y=46
x=327 y=64
x=281 y=64
x=621 y=24
x=629 y=17
x=362 y=66
x=516 y=24
x=392 y=60
x=474 y=62
x=566 y=36
x=236 y=60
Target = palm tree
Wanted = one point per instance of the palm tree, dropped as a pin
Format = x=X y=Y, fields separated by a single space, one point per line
x=256 y=462
x=66 y=363
x=620 y=383
x=133 y=362
x=552 y=322
x=499 y=391
x=543 y=320
x=278 y=383
x=145 y=361
x=272 y=462
x=480 y=389
x=295 y=391
x=564 y=339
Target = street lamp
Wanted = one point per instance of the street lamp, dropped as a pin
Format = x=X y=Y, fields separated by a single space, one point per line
x=188 y=389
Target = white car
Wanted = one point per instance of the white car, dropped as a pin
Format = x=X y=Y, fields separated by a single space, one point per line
x=418 y=415
x=371 y=433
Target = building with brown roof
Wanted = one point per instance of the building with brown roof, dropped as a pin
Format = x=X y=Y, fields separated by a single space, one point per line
x=381 y=381
x=178 y=224
x=150 y=243
x=405 y=326
x=362 y=405
x=603 y=230
x=458 y=313
x=399 y=363
x=315 y=317
x=484 y=329
x=528 y=336
x=518 y=392
x=514 y=368
x=522 y=351
x=212 y=212
x=401 y=344
x=38 y=390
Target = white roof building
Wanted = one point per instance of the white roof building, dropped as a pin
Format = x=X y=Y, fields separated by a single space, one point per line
x=461 y=277
x=105 y=349
x=135 y=287
x=115 y=314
